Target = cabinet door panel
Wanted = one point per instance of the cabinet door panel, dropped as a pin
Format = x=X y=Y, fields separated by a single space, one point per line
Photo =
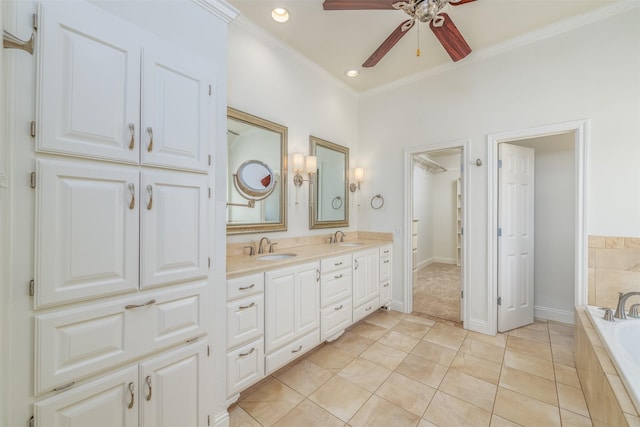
x=87 y=231
x=100 y=403
x=308 y=300
x=359 y=280
x=373 y=274
x=280 y=308
x=245 y=366
x=245 y=320
x=174 y=227
x=172 y=388
x=176 y=110
x=89 y=84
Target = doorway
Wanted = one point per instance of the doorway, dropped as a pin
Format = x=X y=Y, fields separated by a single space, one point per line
x=436 y=243
x=558 y=252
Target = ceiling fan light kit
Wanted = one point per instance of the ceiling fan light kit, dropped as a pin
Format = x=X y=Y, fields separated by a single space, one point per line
x=426 y=11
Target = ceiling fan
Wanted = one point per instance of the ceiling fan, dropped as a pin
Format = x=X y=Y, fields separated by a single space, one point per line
x=428 y=11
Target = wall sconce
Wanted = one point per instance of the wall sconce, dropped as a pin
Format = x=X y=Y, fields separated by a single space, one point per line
x=301 y=164
x=358 y=175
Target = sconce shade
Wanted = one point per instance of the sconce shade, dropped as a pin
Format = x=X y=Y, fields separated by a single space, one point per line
x=312 y=164
x=297 y=162
x=358 y=174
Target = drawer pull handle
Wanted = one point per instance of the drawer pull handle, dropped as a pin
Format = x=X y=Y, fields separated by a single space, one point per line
x=244 y=307
x=386 y=261
x=148 y=381
x=130 y=306
x=386 y=285
x=132 y=190
x=317 y=275
x=338 y=276
x=386 y=252
x=338 y=263
x=338 y=308
x=132 y=130
x=246 y=288
x=150 y=132
x=63 y=387
x=297 y=350
x=248 y=352
x=368 y=308
x=356 y=264
x=131 y=390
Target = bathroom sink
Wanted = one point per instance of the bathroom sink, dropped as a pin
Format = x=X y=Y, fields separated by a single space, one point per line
x=350 y=244
x=274 y=257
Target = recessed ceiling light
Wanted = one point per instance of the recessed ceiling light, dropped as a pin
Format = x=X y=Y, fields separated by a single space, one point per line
x=280 y=15
x=352 y=73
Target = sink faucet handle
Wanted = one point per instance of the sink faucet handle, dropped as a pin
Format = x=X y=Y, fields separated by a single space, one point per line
x=633 y=311
x=608 y=315
x=271 y=245
x=252 y=250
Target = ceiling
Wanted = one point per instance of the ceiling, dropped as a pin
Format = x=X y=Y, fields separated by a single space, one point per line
x=341 y=40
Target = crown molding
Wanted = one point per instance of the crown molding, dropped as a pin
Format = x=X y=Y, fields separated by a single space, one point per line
x=219 y=8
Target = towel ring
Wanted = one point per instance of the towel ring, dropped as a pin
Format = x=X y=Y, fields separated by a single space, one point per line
x=336 y=203
x=377 y=201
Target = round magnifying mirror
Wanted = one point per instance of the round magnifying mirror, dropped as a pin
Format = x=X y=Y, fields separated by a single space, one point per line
x=254 y=180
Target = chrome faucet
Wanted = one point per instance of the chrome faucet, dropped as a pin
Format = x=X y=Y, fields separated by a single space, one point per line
x=335 y=236
x=622 y=299
x=261 y=247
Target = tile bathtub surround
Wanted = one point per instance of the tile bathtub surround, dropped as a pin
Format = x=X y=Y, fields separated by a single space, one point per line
x=394 y=369
x=607 y=399
x=614 y=266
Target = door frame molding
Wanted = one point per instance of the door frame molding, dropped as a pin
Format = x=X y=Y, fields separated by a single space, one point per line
x=580 y=130
x=408 y=210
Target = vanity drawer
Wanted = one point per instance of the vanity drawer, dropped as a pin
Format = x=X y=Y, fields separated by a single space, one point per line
x=335 y=286
x=335 y=263
x=245 y=366
x=366 y=309
x=385 y=269
x=245 y=286
x=245 y=320
x=335 y=318
x=291 y=351
x=385 y=251
x=76 y=342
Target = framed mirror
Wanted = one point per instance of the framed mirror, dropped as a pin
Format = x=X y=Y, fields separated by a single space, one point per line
x=330 y=194
x=256 y=171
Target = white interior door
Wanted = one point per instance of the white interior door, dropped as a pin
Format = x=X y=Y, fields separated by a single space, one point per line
x=515 y=236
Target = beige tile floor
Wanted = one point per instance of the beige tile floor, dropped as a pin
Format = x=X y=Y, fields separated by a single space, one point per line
x=396 y=370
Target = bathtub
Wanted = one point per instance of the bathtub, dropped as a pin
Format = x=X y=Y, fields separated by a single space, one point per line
x=621 y=338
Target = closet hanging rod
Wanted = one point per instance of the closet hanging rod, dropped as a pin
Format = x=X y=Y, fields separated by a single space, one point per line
x=9 y=41
x=431 y=164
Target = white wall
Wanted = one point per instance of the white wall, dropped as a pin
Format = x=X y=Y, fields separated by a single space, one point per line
x=445 y=210
x=423 y=210
x=554 y=225
x=590 y=72
x=277 y=84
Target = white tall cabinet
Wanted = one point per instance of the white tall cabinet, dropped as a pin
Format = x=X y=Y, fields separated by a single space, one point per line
x=115 y=255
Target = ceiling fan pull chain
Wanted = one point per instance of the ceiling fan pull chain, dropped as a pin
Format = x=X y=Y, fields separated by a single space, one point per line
x=418 y=50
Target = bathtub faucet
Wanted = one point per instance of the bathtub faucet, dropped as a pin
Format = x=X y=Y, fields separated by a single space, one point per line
x=622 y=299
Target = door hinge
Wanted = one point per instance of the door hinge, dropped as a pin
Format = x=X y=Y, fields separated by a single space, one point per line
x=209 y=90
x=34 y=21
x=208 y=420
x=208 y=351
x=31 y=421
x=499 y=164
x=33 y=180
x=209 y=159
x=462 y=231
x=209 y=262
x=209 y=192
x=462 y=167
x=499 y=300
x=32 y=287
x=32 y=128
x=499 y=231
x=461 y=294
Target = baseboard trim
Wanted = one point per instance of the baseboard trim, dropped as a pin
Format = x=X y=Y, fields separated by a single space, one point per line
x=548 y=313
x=444 y=260
x=397 y=306
x=481 y=327
x=221 y=419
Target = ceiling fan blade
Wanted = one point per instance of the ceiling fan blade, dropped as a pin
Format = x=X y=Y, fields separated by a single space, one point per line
x=459 y=2
x=450 y=38
x=357 y=4
x=386 y=45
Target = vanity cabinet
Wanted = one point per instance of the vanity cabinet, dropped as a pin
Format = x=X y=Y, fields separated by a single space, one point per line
x=119 y=95
x=292 y=313
x=366 y=283
x=245 y=332
x=386 y=274
x=142 y=394
x=335 y=295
